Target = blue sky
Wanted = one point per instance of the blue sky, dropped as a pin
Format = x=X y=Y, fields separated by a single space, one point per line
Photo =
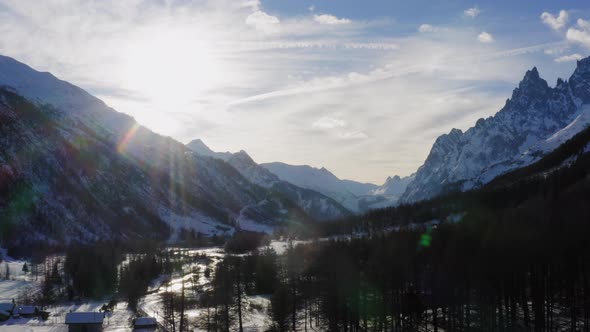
x=362 y=88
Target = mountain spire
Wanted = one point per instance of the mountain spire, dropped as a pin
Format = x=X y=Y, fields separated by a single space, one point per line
x=580 y=80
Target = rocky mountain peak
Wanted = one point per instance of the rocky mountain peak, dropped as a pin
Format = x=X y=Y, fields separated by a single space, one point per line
x=580 y=80
x=494 y=145
x=530 y=88
x=583 y=64
x=242 y=156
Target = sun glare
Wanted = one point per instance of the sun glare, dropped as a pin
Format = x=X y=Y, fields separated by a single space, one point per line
x=170 y=68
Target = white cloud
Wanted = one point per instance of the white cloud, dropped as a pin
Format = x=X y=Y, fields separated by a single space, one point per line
x=485 y=37
x=569 y=58
x=263 y=21
x=311 y=8
x=472 y=12
x=330 y=19
x=579 y=34
x=583 y=24
x=555 y=22
x=327 y=122
x=424 y=28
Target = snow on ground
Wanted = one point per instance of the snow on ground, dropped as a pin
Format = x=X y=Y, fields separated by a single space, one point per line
x=10 y=289
x=19 y=281
x=256 y=317
x=580 y=123
x=281 y=246
x=151 y=304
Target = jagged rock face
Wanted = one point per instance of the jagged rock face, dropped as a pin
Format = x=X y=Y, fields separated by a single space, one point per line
x=461 y=161
x=394 y=186
x=580 y=81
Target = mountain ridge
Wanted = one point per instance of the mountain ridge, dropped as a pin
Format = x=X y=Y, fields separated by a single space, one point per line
x=314 y=203
x=495 y=145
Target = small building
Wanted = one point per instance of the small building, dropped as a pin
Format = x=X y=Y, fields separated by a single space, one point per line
x=27 y=311
x=6 y=310
x=84 y=321
x=145 y=324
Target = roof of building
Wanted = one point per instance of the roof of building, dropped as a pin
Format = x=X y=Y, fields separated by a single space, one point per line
x=6 y=306
x=84 y=318
x=26 y=309
x=6 y=309
x=145 y=321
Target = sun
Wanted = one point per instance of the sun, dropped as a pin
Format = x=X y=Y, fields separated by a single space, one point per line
x=169 y=67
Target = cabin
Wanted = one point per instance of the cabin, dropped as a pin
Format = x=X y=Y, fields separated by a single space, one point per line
x=6 y=310
x=145 y=324
x=26 y=311
x=84 y=321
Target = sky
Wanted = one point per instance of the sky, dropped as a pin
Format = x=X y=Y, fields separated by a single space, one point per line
x=362 y=88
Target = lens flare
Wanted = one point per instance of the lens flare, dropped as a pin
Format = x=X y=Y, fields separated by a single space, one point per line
x=122 y=146
x=426 y=238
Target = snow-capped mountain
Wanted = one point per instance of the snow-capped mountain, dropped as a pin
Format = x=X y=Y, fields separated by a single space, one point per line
x=524 y=130
x=388 y=194
x=73 y=169
x=394 y=186
x=346 y=192
x=317 y=205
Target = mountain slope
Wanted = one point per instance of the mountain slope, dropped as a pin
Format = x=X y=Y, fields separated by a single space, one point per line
x=508 y=140
x=76 y=170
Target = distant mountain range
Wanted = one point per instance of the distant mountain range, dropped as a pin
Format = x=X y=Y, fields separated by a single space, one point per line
x=315 y=204
x=535 y=120
x=355 y=196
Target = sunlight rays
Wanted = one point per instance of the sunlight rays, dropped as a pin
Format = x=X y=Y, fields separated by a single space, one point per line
x=171 y=66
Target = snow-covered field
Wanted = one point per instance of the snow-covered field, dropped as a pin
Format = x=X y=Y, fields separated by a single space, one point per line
x=18 y=282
